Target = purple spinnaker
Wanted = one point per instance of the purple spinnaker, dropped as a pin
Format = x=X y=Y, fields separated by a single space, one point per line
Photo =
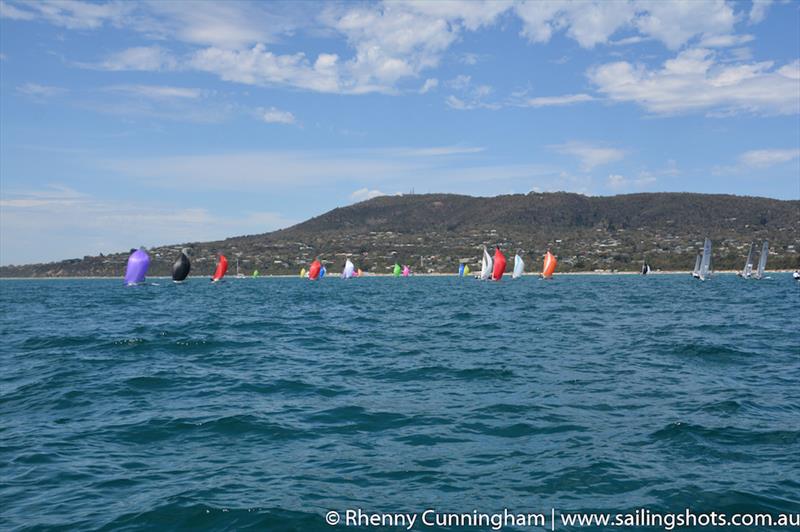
x=137 y=267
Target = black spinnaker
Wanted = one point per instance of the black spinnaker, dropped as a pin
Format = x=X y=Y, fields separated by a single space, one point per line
x=181 y=267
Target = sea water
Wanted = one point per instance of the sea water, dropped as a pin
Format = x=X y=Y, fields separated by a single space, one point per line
x=266 y=403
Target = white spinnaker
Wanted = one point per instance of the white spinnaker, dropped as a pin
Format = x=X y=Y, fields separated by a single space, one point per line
x=519 y=267
x=705 y=263
x=486 y=273
x=349 y=269
x=762 y=260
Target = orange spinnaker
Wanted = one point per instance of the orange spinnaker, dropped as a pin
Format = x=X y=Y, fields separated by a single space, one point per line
x=499 y=264
x=313 y=270
x=222 y=267
x=550 y=264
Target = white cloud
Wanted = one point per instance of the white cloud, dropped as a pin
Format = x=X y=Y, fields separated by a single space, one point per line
x=38 y=91
x=84 y=222
x=692 y=81
x=723 y=41
x=276 y=116
x=566 y=99
x=617 y=181
x=758 y=11
x=145 y=58
x=70 y=14
x=430 y=84
x=770 y=157
x=363 y=194
x=158 y=91
x=258 y=66
x=673 y=23
x=228 y=25
x=589 y=155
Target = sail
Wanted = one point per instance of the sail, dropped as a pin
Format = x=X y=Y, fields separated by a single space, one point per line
x=302 y=272
x=461 y=270
x=222 y=267
x=696 y=270
x=466 y=269
x=486 y=265
x=705 y=262
x=397 y=270
x=313 y=270
x=499 y=264
x=322 y=272
x=181 y=267
x=645 y=268
x=406 y=271
x=255 y=274
x=748 y=264
x=762 y=260
x=349 y=270
x=136 y=269
x=550 y=264
x=519 y=267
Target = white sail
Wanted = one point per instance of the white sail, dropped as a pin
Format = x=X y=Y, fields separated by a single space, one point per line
x=762 y=260
x=696 y=270
x=748 y=265
x=519 y=267
x=349 y=270
x=486 y=265
x=705 y=263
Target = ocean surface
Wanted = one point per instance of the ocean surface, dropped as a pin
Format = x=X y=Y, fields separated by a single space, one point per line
x=265 y=403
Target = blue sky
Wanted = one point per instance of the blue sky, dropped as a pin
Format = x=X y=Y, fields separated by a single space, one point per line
x=147 y=123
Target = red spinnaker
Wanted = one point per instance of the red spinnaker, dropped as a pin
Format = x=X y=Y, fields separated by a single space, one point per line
x=499 y=264
x=550 y=264
x=313 y=270
x=222 y=267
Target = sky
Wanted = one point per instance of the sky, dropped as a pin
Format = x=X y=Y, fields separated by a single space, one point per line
x=129 y=123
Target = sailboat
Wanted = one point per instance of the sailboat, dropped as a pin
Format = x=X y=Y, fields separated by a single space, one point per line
x=406 y=271
x=349 y=270
x=238 y=275
x=486 y=265
x=322 y=271
x=222 y=267
x=645 y=268
x=705 y=261
x=136 y=269
x=314 y=269
x=762 y=261
x=549 y=266
x=181 y=267
x=499 y=267
x=748 y=264
x=467 y=271
x=255 y=274
x=302 y=272
x=397 y=270
x=461 y=269
x=696 y=270
x=519 y=267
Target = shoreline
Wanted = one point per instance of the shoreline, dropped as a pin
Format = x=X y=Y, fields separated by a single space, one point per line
x=366 y=275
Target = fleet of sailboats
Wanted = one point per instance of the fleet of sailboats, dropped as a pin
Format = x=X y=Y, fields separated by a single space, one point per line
x=492 y=267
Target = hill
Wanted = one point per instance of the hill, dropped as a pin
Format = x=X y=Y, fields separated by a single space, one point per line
x=434 y=232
